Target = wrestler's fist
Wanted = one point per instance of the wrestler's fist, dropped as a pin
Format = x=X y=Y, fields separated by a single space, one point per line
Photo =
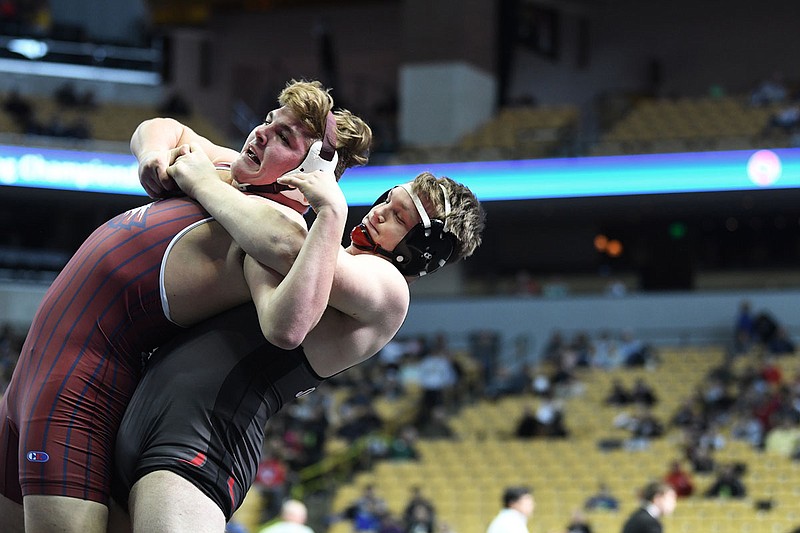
x=320 y=189
x=191 y=169
x=153 y=171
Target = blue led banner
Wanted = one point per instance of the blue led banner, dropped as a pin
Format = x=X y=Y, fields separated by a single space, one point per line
x=495 y=180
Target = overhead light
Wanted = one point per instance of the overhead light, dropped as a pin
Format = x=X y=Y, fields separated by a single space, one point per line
x=30 y=48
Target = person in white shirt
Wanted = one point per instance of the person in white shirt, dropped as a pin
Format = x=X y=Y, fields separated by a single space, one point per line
x=293 y=519
x=518 y=505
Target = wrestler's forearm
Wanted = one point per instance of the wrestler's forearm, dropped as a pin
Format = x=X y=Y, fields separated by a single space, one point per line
x=299 y=301
x=260 y=229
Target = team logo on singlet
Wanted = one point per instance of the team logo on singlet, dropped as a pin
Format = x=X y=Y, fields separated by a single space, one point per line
x=132 y=218
x=37 y=457
x=304 y=392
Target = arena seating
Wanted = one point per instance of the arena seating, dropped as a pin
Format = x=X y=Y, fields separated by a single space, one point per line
x=465 y=477
x=689 y=125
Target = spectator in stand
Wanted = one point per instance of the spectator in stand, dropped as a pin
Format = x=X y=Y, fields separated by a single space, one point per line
x=632 y=350
x=604 y=353
x=403 y=445
x=771 y=372
x=510 y=379
x=770 y=91
x=271 y=481
x=294 y=515
x=689 y=413
x=642 y=425
x=437 y=426
x=359 y=421
x=728 y=483
x=19 y=108
x=550 y=418
x=420 y=521
x=781 y=343
x=527 y=427
x=744 y=329
x=390 y=524
x=578 y=523
x=581 y=348
x=764 y=328
x=679 y=479
x=783 y=438
x=701 y=459
x=619 y=395
x=642 y=393
x=603 y=500
x=746 y=427
x=438 y=378
x=367 y=511
x=555 y=346
x=417 y=500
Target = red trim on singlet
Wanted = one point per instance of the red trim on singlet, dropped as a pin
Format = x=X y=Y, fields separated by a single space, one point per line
x=230 y=491
x=199 y=460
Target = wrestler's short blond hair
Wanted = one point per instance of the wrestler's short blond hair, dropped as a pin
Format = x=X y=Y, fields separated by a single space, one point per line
x=311 y=102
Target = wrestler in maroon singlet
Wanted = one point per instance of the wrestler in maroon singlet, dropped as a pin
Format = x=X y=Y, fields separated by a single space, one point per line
x=83 y=356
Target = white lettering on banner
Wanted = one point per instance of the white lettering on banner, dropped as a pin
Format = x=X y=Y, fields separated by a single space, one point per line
x=34 y=169
x=8 y=170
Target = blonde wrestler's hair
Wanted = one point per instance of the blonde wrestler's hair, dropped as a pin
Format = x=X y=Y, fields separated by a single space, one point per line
x=311 y=102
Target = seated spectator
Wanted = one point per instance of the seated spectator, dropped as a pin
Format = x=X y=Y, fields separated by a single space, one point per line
x=527 y=427
x=578 y=523
x=642 y=425
x=746 y=427
x=603 y=500
x=509 y=380
x=416 y=501
x=743 y=329
x=359 y=421
x=367 y=511
x=728 y=484
x=764 y=327
x=786 y=118
x=679 y=479
x=688 y=414
x=643 y=393
x=701 y=460
x=437 y=426
x=770 y=91
x=403 y=445
x=603 y=352
x=783 y=438
x=18 y=107
x=619 y=395
x=421 y=520
x=781 y=343
x=272 y=482
x=550 y=418
x=633 y=351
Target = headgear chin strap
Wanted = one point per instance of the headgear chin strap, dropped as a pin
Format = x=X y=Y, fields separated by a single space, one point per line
x=426 y=247
x=321 y=155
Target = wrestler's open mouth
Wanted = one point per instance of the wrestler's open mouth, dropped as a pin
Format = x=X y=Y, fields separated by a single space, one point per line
x=252 y=155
